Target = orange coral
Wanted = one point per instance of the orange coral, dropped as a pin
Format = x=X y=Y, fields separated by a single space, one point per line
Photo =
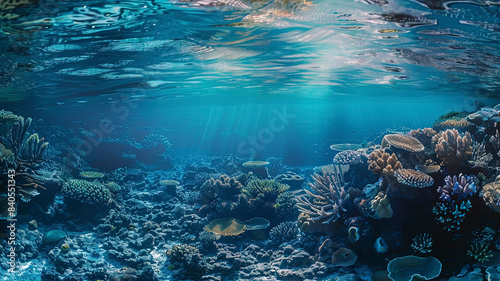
x=452 y=148
x=381 y=163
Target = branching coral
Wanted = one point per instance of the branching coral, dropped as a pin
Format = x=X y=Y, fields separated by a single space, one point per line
x=381 y=163
x=452 y=148
x=480 y=252
x=451 y=215
x=328 y=198
x=422 y=243
x=457 y=188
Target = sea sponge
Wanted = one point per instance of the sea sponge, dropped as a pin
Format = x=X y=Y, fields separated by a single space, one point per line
x=413 y=178
x=452 y=148
x=412 y=268
x=87 y=192
x=226 y=227
x=381 y=163
x=404 y=142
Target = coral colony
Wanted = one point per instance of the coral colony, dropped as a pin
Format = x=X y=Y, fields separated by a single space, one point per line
x=425 y=203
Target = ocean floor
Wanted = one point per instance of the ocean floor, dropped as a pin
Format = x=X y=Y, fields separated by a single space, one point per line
x=424 y=202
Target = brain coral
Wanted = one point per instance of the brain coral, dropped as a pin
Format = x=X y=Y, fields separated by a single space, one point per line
x=405 y=142
x=87 y=192
x=452 y=148
x=381 y=163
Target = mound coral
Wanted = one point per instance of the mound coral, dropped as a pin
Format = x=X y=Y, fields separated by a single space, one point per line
x=457 y=188
x=87 y=192
x=226 y=227
x=222 y=193
x=328 y=197
x=413 y=178
x=452 y=148
x=491 y=195
x=381 y=163
x=284 y=231
x=263 y=192
x=347 y=157
x=404 y=142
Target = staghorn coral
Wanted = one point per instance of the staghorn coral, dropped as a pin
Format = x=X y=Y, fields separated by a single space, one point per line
x=413 y=178
x=404 y=142
x=422 y=243
x=381 y=163
x=451 y=215
x=347 y=157
x=423 y=135
x=459 y=124
x=283 y=232
x=452 y=148
x=87 y=192
x=457 y=188
x=226 y=227
x=326 y=203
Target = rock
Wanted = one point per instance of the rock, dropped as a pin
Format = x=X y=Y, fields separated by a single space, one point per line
x=53 y=236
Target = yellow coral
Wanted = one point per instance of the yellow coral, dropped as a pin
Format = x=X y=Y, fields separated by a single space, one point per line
x=226 y=227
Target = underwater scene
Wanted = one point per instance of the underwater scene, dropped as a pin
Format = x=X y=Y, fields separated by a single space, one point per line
x=222 y=140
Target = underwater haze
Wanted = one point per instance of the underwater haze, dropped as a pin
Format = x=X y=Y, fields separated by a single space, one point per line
x=249 y=140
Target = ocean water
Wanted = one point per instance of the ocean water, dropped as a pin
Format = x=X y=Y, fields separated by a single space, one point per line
x=249 y=140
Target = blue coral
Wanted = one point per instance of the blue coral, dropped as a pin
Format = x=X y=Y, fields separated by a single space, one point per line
x=451 y=215
x=457 y=189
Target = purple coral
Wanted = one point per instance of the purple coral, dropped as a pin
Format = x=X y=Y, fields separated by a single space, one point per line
x=457 y=188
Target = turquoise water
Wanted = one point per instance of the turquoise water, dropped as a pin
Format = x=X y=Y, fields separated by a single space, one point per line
x=232 y=81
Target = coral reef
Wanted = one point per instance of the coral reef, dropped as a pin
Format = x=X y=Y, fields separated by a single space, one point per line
x=382 y=163
x=413 y=178
x=404 y=142
x=491 y=195
x=347 y=157
x=457 y=188
x=329 y=197
x=422 y=243
x=284 y=231
x=87 y=192
x=452 y=148
x=409 y=267
x=226 y=227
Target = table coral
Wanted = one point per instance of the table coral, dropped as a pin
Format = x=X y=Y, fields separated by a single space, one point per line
x=404 y=142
